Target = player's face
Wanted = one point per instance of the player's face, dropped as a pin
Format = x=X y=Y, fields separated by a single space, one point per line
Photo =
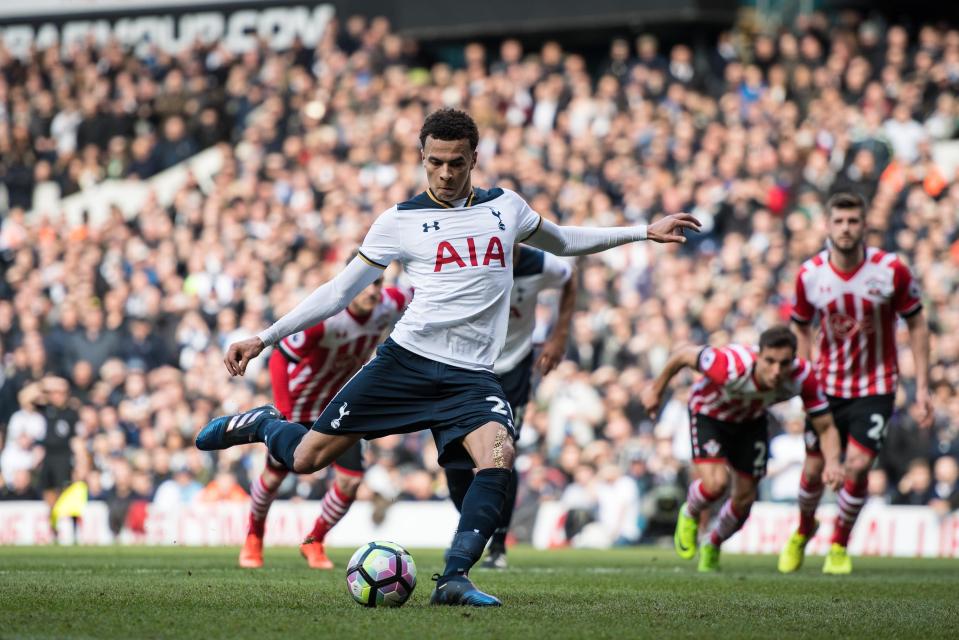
x=846 y=229
x=774 y=365
x=366 y=301
x=448 y=164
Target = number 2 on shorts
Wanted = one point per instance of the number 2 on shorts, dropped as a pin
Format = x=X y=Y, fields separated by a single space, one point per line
x=878 y=429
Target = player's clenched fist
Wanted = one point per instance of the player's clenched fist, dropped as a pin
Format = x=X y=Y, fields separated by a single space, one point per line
x=650 y=398
x=240 y=353
x=832 y=475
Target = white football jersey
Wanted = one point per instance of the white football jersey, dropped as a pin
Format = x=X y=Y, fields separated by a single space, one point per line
x=460 y=263
x=533 y=272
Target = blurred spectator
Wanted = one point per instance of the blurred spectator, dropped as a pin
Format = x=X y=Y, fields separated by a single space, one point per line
x=915 y=488
x=179 y=490
x=618 y=497
x=877 y=487
x=20 y=487
x=26 y=429
x=787 y=452
x=945 y=487
x=223 y=488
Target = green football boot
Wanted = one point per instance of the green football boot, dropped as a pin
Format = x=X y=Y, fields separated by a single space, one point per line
x=838 y=562
x=708 y=558
x=792 y=555
x=687 y=530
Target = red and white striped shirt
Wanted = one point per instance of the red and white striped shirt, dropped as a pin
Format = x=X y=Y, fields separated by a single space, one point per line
x=857 y=317
x=308 y=368
x=728 y=390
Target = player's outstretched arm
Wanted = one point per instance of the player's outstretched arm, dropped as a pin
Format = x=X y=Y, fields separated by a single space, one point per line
x=652 y=395
x=327 y=300
x=919 y=341
x=555 y=347
x=832 y=474
x=580 y=241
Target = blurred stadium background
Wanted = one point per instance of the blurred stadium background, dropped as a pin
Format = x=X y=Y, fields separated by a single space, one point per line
x=176 y=174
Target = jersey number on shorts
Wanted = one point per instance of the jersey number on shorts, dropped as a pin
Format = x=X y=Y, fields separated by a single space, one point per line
x=501 y=408
x=760 y=462
x=878 y=429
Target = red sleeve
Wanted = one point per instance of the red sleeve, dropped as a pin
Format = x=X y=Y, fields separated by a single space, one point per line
x=714 y=363
x=296 y=346
x=802 y=312
x=812 y=393
x=906 y=297
x=397 y=295
x=280 y=379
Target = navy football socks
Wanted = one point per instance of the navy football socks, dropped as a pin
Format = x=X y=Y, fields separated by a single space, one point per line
x=458 y=482
x=506 y=515
x=482 y=507
x=281 y=438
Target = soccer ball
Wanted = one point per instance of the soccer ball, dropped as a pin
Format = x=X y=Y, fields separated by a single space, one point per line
x=381 y=574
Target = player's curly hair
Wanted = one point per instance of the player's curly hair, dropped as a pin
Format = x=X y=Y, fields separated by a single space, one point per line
x=778 y=336
x=450 y=124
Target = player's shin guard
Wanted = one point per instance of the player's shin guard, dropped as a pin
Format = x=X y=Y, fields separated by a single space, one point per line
x=282 y=438
x=851 y=498
x=458 y=482
x=810 y=493
x=730 y=521
x=482 y=508
x=698 y=499
x=506 y=515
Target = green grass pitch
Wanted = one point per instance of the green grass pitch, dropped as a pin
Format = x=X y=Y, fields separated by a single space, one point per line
x=200 y=593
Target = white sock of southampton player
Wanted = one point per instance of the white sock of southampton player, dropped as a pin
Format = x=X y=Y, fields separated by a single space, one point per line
x=281 y=438
x=850 y=500
x=729 y=522
x=261 y=497
x=482 y=508
x=335 y=505
x=698 y=499
x=810 y=493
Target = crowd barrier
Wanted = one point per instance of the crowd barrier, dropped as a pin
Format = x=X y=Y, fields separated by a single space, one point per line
x=882 y=530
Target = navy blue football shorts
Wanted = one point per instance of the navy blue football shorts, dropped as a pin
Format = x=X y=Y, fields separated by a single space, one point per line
x=517 y=383
x=399 y=391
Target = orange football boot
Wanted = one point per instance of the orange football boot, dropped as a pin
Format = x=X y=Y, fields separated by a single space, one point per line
x=315 y=554
x=251 y=555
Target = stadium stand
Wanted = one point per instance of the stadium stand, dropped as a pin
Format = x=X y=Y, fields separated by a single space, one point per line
x=750 y=134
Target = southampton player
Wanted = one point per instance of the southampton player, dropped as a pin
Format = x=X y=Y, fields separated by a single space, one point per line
x=435 y=371
x=307 y=369
x=728 y=427
x=533 y=271
x=856 y=292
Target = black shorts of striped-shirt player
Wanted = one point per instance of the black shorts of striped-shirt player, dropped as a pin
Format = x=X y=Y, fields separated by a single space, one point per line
x=744 y=446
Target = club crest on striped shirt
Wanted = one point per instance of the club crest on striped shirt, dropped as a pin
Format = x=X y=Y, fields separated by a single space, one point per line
x=712 y=448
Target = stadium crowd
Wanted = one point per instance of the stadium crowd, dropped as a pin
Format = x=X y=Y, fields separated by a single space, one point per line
x=750 y=135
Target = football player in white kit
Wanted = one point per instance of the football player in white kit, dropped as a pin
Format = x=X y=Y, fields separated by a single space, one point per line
x=533 y=271
x=435 y=371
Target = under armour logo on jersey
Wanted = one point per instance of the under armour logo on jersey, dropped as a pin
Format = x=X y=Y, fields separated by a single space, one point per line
x=426 y=226
x=335 y=424
x=502 y=227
